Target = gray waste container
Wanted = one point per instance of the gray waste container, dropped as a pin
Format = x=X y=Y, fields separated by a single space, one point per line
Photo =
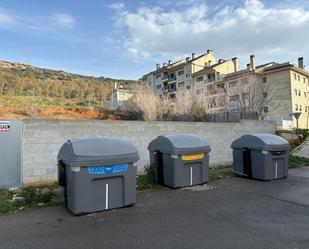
x=261 y=156
x=179 y=160
x=97 y=174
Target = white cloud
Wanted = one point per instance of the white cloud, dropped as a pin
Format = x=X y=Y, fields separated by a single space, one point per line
x=64 y=20
x=270 y=32
x=6 y=18
x=117 y=6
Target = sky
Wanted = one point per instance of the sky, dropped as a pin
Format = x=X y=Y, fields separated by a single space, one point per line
x=125 y=39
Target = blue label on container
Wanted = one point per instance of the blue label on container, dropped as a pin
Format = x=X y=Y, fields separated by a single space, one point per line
x=107 y=169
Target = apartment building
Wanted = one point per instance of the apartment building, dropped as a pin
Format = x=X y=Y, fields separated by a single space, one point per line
x=173 y=78
x=275 y=90
x=289 y=89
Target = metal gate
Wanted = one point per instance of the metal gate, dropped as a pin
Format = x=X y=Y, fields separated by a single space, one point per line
x=10 y=153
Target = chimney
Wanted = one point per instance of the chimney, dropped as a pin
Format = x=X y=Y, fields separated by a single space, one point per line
x=158 y=66
x=253 y=62
x=248 y=66
x=209 y=63
x=209 y=51
x=164 y=64
x=301 y=62
x=169 y=62
x=187 y=59
x=235 y=62
x=193 y=54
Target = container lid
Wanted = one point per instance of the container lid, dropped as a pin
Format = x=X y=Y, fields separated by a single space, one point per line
x=102 y=150
x=179 y=144
x=261 y=142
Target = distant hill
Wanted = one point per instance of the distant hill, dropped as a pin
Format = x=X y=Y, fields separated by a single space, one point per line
x=17 y=79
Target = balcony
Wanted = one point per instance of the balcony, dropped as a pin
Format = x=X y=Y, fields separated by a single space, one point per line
x=164 y=78
x=214 y=79
x=172 y=79
x=172 y=88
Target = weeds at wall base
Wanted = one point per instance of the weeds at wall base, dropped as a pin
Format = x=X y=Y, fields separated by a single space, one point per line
x=13 y=201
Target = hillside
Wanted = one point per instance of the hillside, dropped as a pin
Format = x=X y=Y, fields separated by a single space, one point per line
x=26 y=91
x=18 y=79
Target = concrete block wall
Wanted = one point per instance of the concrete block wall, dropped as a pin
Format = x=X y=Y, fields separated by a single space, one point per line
x=42 y=139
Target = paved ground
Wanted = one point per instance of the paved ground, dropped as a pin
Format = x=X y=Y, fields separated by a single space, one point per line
x=303 y=150
x=237 y=214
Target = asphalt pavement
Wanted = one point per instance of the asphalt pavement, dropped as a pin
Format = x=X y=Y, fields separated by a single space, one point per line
x=234 y=213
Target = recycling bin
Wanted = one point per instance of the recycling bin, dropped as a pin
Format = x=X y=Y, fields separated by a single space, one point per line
x=97 y=174
x=261 y=156
x=179 y=160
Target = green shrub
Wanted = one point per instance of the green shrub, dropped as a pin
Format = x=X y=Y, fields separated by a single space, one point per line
x=220 y=172
x=29 y=197
x=298 y=162
x=146 y=181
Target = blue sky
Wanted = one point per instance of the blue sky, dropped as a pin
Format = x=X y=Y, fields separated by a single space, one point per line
x=126 y=39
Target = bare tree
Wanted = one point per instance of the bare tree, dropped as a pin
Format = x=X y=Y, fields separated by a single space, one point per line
x=150 y=106
x=249 y=96
x=146 y=102
x=215 y=97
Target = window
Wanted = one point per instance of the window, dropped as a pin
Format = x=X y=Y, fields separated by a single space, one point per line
x=234 y=97
x=181 y=84
x=265 y=109
x=299 y=92
x=181 y=72
x=188 y=75
x=305 y=94
x=265 y=95
x=245 y=95
x=295 y=91
x=296 y=107
x=304 y=80
x=159 y=87
x=233 y=84
x=244 y=81
x=298 y=77
x=295 y=77
x=199 y=79
x=264 y=80
x=188 y=87
x=199 y=91
x=300 y=108
x=306 y=108
x=149 y=83
x=158 y=76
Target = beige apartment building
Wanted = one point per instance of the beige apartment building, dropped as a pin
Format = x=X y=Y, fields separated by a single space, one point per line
x=172 y=78
x=274 y=90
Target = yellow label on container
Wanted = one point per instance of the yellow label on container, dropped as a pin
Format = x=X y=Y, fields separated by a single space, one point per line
x=192 y=157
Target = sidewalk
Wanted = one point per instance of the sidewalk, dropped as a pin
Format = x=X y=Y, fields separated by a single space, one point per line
x=238 y=213
x=303 y=151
